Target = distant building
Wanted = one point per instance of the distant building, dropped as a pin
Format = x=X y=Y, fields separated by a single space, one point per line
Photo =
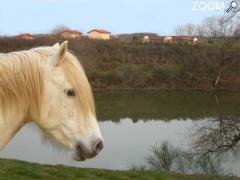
x=182 y=38
x=144 y=38
x=24 y=36
x=156 y=39
x=99 y=34
x=71 y=34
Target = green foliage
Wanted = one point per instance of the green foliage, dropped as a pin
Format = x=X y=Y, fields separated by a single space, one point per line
x=19 y=170
x=134 y=75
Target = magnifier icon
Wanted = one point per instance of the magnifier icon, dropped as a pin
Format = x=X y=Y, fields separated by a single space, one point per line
x=233 y=5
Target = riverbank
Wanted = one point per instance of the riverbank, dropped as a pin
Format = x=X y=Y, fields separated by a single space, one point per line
x=117 y=65
x=14 y=169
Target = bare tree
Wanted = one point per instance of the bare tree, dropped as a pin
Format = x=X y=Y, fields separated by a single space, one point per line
x=189 y=29
x=236 y=27
x=179 y=30
x=59 y=28
x=200 y=30
x=223 y=32
x=210 y=25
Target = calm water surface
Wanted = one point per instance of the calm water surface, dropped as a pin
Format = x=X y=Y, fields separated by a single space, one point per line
x=131 y=123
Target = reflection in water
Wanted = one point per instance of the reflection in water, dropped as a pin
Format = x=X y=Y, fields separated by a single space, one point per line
x=214 y=142
x=168 y=158
x=166 y=105
x=144 y=119
x=217 y=135
x=124 y=143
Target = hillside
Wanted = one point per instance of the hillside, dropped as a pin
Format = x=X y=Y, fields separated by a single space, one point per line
x=114 y=65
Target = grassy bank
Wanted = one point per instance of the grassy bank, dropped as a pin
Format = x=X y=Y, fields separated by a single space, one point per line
x=114 y=65
x=13 y=169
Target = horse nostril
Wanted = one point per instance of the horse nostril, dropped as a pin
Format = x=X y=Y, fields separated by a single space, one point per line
x=98 y=146
x=79 y=147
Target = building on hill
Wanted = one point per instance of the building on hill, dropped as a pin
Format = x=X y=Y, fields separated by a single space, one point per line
x=24 y=36
x=99 y=34
x=142 y=37
x=182 y=38
x=156 y=39
x=71 y=34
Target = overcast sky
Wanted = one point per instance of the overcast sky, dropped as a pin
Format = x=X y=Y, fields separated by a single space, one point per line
x=117 y=16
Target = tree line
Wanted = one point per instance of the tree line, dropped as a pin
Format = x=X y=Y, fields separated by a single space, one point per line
x=213 y=26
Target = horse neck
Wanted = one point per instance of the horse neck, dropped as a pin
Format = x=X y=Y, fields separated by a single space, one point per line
x=18 y=107
x=11 y=120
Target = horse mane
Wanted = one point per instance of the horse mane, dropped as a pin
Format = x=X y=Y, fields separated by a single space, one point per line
x=21 y=80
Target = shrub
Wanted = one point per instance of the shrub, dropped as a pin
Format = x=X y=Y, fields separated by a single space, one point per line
x=134 y=75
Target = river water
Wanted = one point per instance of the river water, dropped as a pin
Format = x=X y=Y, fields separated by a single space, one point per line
x=132 y=123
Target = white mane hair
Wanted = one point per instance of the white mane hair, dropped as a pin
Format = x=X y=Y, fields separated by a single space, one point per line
x=21 y=80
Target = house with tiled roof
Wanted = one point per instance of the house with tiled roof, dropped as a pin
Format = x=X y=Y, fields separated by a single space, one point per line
x=24 y=36
x=71 y=34
x=182 y=38
x=100 y=34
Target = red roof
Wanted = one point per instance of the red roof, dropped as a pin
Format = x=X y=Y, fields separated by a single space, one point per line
x=100 y=31
x=26 y=34
x=189 y=38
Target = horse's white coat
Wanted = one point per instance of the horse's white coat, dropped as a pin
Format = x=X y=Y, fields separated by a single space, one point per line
x=195 y=41
x=70 y=120
x=168 y=40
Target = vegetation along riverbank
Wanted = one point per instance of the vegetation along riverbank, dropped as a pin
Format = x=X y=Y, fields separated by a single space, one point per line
x=118 y=65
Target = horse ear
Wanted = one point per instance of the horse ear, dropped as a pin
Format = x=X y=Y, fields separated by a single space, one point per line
x=56 y=45
x=59 y=55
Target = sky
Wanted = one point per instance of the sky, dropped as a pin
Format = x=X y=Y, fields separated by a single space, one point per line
x=117 y=16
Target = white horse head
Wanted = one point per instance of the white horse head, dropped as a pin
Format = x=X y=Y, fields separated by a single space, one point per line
x=48 y=85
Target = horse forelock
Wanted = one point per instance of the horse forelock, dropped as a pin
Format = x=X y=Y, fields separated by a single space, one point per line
x=76 y=76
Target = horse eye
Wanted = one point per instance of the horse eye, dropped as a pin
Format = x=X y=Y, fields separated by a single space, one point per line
x=70 y=92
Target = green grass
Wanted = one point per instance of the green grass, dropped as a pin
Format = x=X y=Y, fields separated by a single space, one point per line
x=19 y=170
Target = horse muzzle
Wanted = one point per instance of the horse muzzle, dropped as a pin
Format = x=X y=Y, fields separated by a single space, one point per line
x=82 y=152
